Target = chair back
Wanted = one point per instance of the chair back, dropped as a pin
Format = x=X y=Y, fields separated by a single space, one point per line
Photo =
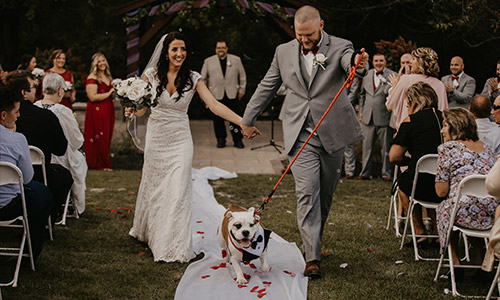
x=473 y=185
x=11 y=174
x=38 y=159
x=427 y=164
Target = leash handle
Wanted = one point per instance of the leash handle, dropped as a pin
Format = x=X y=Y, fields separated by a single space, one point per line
x=349 y=80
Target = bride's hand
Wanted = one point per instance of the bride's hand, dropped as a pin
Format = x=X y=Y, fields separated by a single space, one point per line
x=128 y=112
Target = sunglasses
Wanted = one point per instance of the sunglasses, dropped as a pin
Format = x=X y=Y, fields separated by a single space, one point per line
x=495 y=107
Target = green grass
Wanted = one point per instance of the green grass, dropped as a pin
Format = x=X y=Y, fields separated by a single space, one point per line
x=94 y=258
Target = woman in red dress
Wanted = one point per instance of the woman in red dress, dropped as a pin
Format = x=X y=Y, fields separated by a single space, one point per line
x=100 y=114
x=58 y=58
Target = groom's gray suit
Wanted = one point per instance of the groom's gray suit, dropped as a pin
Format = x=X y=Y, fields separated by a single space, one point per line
x=317 y=169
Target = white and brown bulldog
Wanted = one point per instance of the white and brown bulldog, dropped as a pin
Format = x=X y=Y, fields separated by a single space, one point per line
x=242 y=239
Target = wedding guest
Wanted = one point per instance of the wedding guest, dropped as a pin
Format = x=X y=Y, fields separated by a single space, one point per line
x=99 y=115
x=162 y=216
x=28 y=63
x=460 y=87
x=488 y=132
x=419 y=135
x=375 y=117
x=424 y=68
x=14 y=149
x=492 y=85
x=405 y=64
x=460 y=156
x=495 y=110
x=349 y=153
x=58 y=59
x=226 y=79
x=43 y=130
x=313 y=67
x=73 y=159
x=493 y=180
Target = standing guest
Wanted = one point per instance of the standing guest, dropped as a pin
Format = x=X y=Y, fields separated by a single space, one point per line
x=43 y=130
x=349 y=153
x=58 y=59
x=163 y=210
x=495 y=110
x=313 y=67
x=419 y=135
x=405 y=64
x=226 y=80
x=424 y=68
x=28 y=63
x=14 y=149
x=73 y=159
x=375 y=117
x=100 y=114
x=492 y=85
x=460 y=87
x=488 y=131
x=462 y=155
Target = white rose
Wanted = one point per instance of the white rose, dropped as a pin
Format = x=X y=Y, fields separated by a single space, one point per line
x=67 y=86
x=116 y=82
x=320 y=58
x=137 y=89
x=37 y=72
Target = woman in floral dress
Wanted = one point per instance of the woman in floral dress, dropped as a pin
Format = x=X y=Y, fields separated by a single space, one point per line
x=460 y=156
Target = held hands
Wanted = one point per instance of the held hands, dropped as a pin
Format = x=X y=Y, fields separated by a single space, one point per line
x=249 y=131
x=448 y=87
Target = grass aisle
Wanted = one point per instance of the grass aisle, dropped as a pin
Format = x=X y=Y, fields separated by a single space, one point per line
x=94 y=258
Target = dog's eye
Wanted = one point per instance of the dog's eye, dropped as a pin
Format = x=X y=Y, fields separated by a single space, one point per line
x=238 y=226
x=251 y=224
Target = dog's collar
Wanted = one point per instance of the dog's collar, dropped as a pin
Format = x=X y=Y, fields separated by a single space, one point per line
x=231 y=238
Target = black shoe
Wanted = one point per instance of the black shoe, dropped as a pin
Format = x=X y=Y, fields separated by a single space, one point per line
x=239 y=144
x=221 y=143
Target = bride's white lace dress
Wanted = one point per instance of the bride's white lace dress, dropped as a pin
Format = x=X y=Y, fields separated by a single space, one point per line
x=163 y=209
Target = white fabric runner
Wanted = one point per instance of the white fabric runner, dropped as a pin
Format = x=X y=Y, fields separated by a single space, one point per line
x=204 y=279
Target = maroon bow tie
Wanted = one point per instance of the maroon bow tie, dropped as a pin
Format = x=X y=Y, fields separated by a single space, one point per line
x=313 y=50
x=454 y=78
x=379 y=73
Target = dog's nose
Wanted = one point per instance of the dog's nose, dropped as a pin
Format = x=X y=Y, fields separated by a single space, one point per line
x=245 y=233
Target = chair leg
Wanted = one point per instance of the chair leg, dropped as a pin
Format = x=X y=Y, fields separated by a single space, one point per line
x=390 y=213
x=494 y=283
x=408 y=217
x=49 y=226
x=65 y=211
x=452 y=271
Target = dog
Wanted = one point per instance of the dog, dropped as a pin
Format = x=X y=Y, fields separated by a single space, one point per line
x=242 y=239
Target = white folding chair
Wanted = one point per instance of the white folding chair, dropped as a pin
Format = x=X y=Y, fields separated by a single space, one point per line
x=494 y=283
x=473 y=185
x=38 y=159
x=12 y=175
x=426 y=164
x=393 y=204
x=65 y=211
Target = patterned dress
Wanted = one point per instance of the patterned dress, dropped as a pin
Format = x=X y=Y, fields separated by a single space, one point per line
x=455 y=162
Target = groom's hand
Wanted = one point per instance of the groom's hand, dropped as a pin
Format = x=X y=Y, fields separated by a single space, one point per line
x=364 y=60
x=249 y=131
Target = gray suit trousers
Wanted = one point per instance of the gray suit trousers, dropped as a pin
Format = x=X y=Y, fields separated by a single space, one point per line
x=316 y=175
x=384 y=134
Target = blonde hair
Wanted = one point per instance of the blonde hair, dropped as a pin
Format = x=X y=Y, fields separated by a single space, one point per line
x=422 y=95
x=461 y=123
x=93 y=67
x=427 y=61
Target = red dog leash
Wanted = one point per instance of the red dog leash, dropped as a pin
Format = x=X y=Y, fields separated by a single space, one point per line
x=348 y=83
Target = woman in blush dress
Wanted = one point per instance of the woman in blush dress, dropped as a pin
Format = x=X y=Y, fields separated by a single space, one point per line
x=460 y=156
x=100 y=114
x=163 y=208
x=58 y=59
x=425 y=68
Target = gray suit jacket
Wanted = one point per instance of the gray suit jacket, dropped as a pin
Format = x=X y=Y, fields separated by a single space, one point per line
x=487 y=92
x=233 y=83
x=461 y=96
x=372 y=103
x=340 y=127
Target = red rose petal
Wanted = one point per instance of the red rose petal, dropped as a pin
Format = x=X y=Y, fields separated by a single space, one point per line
x=222 y=265
x=369 y=250
x=242 y=285
x=258 y=272
x=224 y=253
x=200 y=232
x=252 y=266
x=325 y=254
x=247 y=276
x=98 y=207
x=266 y=283
x=261 y=295
x=254 y=289
x=124 y=216
x=288 y=272
x=139 y=180
x=205 y=276
x=261 y=291
x=141 y=253
x=199 y=222
x=214 y=267
x=131 y=193
x=114 y=210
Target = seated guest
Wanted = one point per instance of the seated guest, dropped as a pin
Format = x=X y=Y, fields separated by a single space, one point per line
x=425 y=68
x=43 y=130
x=493 y=180
x=14 y=149
x=487 y=131
x=419 y=135
x=460 y=156
x=73 y=159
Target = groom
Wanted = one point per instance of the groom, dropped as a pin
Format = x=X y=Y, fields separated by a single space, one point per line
x=312 y=83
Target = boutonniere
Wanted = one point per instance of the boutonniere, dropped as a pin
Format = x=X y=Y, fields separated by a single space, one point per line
x=320 y=60
x=228 y=63
x=383 y=80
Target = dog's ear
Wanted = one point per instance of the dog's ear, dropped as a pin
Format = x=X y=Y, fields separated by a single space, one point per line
x=251 y=210
x=228 y=215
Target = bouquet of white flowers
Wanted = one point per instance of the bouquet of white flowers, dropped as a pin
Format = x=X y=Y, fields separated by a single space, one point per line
x=135 y=92
x=67 y=86
x=38 y=73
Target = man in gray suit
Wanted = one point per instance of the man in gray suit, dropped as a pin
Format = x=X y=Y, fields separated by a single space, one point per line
x=492 y=86
x=460 y=87
x=313 y=68
x=375 y=117
x=226 y=79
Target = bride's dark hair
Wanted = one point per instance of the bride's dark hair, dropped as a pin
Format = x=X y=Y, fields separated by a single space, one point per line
x=183 y=81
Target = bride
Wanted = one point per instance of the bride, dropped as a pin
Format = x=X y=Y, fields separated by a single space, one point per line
x=163 y=208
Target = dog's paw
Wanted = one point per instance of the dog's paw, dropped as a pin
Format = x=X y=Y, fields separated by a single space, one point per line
x=265 y=268
x=241 y=280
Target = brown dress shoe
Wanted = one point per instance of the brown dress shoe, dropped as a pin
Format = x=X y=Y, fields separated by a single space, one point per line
x=312 y=269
